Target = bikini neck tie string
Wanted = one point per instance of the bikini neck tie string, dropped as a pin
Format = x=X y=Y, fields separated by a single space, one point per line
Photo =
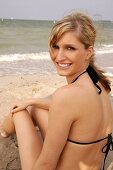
x=94 y=76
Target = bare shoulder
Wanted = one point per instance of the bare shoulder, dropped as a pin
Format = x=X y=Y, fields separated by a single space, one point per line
x=61 y=93
x=64 y=94
x=70 y=93
x=68 y=99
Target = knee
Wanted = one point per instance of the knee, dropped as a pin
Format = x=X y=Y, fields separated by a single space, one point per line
x=8 y=124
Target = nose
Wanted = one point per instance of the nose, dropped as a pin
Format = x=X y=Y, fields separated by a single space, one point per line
x=61 y=55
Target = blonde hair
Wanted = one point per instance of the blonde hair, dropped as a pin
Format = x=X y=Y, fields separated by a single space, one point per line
x=86 y=34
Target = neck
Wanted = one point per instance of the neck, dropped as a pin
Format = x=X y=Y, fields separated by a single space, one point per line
x=75 y=77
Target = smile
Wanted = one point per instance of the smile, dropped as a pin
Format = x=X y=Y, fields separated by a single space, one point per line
x=63 y=65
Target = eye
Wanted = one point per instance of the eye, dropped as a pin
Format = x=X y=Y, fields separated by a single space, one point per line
x=55 y=46
x=71 y=48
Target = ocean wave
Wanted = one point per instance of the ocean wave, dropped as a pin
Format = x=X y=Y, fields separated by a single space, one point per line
x=27 y=56
x=32 y=63
x=105 y=49
x=109 y=74
x=108 y=71
x=108 y=45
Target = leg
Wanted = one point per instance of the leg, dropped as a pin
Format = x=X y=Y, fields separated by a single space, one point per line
x=40 y=118
x=29 y=143
x=7 y=127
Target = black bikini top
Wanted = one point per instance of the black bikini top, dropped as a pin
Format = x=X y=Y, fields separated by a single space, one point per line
x=93 y=75
x=109 y=145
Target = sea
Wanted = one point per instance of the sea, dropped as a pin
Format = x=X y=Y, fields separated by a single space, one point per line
x=24 y=46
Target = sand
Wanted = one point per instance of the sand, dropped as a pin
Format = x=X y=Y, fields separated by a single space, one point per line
x=22 y=87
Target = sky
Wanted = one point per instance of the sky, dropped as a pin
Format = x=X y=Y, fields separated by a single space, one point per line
x=54 y=9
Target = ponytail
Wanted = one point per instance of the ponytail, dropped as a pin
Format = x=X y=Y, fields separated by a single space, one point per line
x=101 y=74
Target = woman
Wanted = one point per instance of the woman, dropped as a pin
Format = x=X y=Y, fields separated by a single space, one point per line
x=76 y=121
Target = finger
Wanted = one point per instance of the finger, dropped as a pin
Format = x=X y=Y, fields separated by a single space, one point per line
x=16 y=110
x=13 y=107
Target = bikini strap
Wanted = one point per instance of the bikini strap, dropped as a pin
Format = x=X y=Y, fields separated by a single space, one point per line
x=94 y=76
x=79 y=76
x=87 y=143
x=108 y=147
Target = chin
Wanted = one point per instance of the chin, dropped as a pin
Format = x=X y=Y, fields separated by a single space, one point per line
x=62 y=73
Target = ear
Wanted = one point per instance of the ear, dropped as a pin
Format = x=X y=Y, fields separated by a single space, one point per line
x=90 y=51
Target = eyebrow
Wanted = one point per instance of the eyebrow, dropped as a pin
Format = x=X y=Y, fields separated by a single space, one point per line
x=70 y=44
x=67 y=44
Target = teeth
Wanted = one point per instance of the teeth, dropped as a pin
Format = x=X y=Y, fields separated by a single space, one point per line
x=63 y=64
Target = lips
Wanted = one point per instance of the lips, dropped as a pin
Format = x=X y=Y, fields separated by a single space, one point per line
x=63 y=65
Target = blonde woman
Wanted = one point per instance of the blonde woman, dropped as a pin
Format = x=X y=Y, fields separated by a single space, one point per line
x=76 y=121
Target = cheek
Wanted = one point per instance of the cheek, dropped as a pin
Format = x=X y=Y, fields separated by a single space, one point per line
x=79 y=59
x=52 y=56
x=76 y=57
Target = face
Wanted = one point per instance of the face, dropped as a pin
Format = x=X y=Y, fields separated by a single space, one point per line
x=69 y=55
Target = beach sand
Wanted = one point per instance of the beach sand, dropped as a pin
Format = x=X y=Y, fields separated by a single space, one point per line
x=22 y=87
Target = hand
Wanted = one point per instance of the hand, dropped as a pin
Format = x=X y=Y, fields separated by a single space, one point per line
x=19 y=106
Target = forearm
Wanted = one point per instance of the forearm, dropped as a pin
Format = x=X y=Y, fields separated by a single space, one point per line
x=43 y=103
x=46 y=160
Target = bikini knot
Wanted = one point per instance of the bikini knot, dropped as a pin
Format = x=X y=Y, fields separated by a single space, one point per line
x=108 y=147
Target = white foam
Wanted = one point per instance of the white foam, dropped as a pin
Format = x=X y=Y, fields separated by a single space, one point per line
x=108 y=45
x=109 y=71
x=27 y=56
x=105 y=49
x=109 y=74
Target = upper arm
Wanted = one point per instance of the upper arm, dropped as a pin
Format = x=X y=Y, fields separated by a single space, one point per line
x=43 y=103
x=59 y=124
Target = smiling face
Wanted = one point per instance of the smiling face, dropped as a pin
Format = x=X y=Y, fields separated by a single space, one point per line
x=71 y=44
x=70 y=56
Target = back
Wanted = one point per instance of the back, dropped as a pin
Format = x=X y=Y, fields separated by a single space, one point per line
x=93 y=122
